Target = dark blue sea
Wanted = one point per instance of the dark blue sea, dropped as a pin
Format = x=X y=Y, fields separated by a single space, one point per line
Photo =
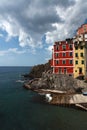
x=22 y=109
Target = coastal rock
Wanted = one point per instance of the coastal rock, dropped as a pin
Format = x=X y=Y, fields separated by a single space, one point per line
x=36 y=71
x=58 y=82
x=60 y=89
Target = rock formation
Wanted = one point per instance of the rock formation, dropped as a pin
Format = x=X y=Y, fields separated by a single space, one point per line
x=58 y=82
x=36 y=71
x=58 y=89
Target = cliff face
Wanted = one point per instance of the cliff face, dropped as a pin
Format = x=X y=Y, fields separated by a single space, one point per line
x=58 y=82
x=36 y=71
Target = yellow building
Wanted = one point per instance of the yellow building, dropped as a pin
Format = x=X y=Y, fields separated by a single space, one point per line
x=80 y=55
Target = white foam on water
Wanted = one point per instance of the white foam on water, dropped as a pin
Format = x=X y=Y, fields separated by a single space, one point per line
x=48 y=97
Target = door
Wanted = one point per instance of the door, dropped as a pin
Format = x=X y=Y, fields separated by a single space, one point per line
x=59 y=70
x=65 y=71
x=80 y=70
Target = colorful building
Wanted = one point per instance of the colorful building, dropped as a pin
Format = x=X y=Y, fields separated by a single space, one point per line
x=80 y=55
x=70 y=56
x=62 y=59
x=82 y=29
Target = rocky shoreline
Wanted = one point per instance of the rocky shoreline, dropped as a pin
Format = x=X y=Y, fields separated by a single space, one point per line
x=60 y=89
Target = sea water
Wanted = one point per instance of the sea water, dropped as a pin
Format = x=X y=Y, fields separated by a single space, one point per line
x=21 y=109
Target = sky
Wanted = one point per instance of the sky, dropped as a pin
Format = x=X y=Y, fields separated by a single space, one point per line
x=29 y=28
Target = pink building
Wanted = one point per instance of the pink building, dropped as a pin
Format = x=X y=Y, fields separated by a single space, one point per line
x=82 y=29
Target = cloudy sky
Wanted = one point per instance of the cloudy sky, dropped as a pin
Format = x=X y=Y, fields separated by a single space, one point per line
x=28 y=28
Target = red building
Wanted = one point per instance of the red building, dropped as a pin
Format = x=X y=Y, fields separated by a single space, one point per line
x=82 y=29
x=62 y=57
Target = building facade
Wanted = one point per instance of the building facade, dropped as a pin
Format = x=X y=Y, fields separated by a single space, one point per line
x=62 y=57
x=80 y=55
x=70 y=56
x=82 y=29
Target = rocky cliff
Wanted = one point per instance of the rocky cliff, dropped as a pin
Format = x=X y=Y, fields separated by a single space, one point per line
x=58 y=82
x=57 y=88
x=36 y=71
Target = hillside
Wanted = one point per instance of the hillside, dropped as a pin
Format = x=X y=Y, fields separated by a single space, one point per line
x=36 y=71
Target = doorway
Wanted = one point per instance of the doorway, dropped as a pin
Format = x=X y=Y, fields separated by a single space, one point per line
x=80 y=70
x=65 y=71
x=60 y=70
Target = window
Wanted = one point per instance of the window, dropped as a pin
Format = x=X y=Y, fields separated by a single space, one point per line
x=80 y=70
x=81 y=54
x=81 y=47
x=57 y=62
x=71 y=54
x=64 y=54
x=84 y=28
x=76 y=47
x=64 y=47
x=82 y=61
x=71 y=61
x=64 y=62
x=76 y=62
x=76 y=54
x=57 y=54
x=70 y=46
x=57 y=48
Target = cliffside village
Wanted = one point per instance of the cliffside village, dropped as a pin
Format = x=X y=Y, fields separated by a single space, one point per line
x=70 y=56
x=69 y=61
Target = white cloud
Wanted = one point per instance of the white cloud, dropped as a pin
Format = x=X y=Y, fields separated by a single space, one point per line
x=32 y=20
x=15 y=50
x=49 y=48
x=49 y=52
x=25 y=39
x=73 y=17
x=14 y=30
x=11 y=50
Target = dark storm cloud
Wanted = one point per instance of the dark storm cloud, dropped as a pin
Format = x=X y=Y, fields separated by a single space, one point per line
x=36 y=16
x=62 y=3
